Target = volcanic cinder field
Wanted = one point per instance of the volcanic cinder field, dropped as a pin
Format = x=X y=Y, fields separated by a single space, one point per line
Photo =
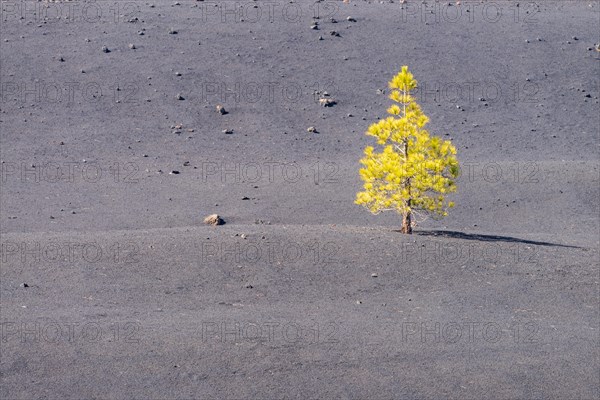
x=113 y=153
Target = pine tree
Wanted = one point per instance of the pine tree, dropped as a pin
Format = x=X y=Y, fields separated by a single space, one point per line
x=414 y=170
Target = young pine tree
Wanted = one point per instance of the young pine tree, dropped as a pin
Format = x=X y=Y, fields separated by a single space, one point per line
x=413 y=171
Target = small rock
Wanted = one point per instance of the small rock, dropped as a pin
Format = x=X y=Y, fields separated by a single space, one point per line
x=132 y=46
x=374 y=275
x=213 y=219
x=172 y=31
x=312 y=129
x=248 y=286
x=321 y=38
x=358 y=302
x=326 y=102
x=221 y=110
x=24 y=285
x=228 y=131
x=180 y=97
x=350 y=19
x=245 y=198
x=105 y=49
x=314 y=27
x=334 y=33
x=174 y=172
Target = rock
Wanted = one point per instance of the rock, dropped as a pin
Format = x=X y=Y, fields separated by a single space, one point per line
x=374 y=275
x=248 y=286
x=321 y=38
x=132 y=46
x=105 y=49
x=350 y=19
x=180 y=97
x=221 y=110
x=214 y=220
x=334 y=33
x=24 y=285
x=326 y=102
x=174 y=172
x=312 y=129
x=314 y=27
x=172 y=31
x=228 y=131
x=245 y=198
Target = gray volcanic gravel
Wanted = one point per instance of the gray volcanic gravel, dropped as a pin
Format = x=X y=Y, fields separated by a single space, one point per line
x=123 y=125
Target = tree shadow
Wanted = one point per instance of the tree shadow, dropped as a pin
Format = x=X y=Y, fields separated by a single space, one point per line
x=489 y=238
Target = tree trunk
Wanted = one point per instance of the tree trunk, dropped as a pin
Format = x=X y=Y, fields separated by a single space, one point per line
x=406 y=223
